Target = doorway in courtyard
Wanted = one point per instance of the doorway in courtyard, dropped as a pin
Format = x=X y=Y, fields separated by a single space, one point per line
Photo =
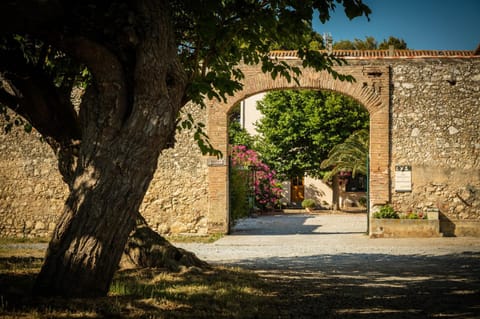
x=290 y=155
x=297 y=190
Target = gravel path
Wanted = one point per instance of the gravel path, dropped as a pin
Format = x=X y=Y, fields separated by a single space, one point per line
x=324 y=266
x=285 y=239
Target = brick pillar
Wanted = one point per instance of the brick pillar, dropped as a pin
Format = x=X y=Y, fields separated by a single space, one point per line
x=379 y=182
x=375 y=81
x=218 y=203
x=218 y=194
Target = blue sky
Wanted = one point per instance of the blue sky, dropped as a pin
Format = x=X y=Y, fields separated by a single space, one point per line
x=423 y=24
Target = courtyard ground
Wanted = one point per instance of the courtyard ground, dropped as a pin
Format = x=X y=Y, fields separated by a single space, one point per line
x=318 y=265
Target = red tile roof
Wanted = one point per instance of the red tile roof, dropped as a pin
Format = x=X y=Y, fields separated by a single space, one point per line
x=386 y=54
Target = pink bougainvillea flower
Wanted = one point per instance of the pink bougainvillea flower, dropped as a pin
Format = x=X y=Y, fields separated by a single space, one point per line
x=264 y=183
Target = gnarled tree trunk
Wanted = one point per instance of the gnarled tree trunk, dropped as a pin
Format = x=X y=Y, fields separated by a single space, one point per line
x=124 y=128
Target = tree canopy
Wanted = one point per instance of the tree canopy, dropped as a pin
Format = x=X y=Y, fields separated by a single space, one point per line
x=397 y=43
x=299 y=128
x=370 y=43
x=312 y=39
x=145 y=59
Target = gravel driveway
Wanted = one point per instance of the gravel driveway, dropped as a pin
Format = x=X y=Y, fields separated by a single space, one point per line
x=267 y=240
x=326 y=267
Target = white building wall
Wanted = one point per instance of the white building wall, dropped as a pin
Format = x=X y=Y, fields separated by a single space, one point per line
x=319 y=191
x=249 y=113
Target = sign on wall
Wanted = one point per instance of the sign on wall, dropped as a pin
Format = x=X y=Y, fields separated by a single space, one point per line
x=403 y=178
x=216 y=162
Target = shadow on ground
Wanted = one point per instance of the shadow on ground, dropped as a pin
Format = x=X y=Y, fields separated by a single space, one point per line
x=333 y=286
x=305 y=224
x=376 y=285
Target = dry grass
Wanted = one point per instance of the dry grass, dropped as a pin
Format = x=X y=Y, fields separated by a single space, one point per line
x=207 y=239
x=22 y=240
x=148 y=293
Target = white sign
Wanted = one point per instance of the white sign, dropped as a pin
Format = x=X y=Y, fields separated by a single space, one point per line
x=216 y=162
x=403 y=178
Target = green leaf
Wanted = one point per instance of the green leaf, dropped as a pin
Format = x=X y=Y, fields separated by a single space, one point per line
x=27 y=127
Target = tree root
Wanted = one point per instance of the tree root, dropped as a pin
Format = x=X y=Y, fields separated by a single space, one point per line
x=147 y=249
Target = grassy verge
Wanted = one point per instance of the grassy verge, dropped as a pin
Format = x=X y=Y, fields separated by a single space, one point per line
x=207 y=239
x=218 y=292
x=148 y=293
x=22 y=240
x=26 y=247
x=355 y=287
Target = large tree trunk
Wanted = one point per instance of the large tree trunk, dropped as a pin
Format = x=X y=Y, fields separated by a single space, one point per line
x=128 y=116
x=98 y=217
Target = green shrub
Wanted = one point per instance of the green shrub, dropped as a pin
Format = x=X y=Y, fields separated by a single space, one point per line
x=414 y=215
x=386 y=212
x=362 y=201
x=239 y=194
x=308 y=203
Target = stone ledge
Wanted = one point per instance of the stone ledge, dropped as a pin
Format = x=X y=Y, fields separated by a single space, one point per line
x=398 y=228
x=460 y=228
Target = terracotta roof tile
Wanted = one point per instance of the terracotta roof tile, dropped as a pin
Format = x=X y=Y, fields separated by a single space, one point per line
x=384 y=54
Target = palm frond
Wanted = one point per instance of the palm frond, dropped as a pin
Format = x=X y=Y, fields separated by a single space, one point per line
x=349 y=156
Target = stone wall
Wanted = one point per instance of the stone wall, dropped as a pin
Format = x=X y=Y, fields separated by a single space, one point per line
x=31 y=189
x=32 y=193
x=436 y=130
x=433 y=126
x=177 y=199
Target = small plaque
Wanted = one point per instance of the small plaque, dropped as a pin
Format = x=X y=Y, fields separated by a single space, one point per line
x=403 y=178
x=216 y=162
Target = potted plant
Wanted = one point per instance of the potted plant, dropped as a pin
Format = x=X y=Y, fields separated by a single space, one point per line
x=386 y=222
x=308 y=204
x=386 y=211
x=362 y=201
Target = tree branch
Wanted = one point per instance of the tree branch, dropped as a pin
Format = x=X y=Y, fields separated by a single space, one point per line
x=108 y=76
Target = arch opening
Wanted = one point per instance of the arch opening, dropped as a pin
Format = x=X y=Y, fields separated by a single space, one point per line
x=319 y=120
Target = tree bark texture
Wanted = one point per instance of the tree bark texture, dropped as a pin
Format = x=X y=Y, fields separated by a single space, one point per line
x=124 y=128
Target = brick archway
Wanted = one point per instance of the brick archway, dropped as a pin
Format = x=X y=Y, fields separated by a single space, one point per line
x=371 y=89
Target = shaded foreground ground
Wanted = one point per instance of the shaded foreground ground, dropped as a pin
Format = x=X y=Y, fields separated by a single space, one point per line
x=290 y=273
